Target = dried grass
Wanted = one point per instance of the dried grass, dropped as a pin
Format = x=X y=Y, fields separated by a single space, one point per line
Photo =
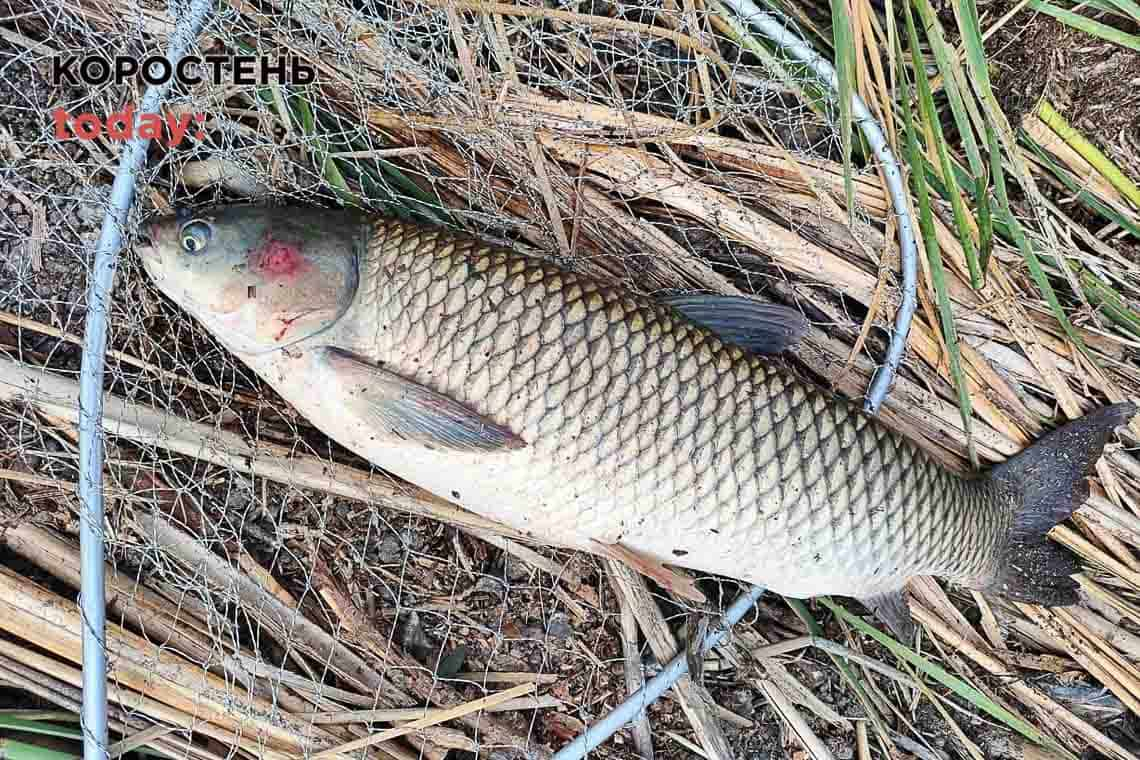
x=256 y=582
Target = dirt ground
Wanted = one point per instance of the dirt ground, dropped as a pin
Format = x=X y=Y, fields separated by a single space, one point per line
x=1093 y=84
x=46 y=174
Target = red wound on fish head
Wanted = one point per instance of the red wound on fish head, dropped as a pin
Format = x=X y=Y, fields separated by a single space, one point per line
x=278 y=257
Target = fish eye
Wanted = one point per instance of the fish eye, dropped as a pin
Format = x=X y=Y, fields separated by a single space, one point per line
x=195 y=236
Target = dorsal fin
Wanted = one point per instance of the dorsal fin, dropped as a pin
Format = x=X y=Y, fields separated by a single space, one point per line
x=762 y=328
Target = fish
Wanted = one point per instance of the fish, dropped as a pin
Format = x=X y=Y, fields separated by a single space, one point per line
x=665 y=430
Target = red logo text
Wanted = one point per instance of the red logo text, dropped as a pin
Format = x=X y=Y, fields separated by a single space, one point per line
x=169 y=130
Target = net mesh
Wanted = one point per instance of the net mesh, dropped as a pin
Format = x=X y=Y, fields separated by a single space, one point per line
x=247 y=606
x=229 y=588
x=416 y=110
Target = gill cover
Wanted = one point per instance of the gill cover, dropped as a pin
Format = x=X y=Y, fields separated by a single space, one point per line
x=261 y=278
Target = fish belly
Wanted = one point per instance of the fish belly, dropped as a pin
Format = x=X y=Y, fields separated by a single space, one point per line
x=645 y=429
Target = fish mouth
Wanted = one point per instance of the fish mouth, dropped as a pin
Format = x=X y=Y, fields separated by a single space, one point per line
x=146 y=245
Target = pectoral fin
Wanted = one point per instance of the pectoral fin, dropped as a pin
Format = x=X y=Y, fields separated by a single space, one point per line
x=762 y=328
x=402 y=408
x=892 y=609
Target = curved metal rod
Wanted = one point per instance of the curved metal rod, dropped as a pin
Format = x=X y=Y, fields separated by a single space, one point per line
x=772 y=28
x=658 y=685
x=92 y=591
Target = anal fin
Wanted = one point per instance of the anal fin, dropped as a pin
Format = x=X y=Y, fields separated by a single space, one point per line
x=892 y=609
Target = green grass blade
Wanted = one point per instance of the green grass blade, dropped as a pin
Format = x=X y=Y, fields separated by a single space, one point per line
x=1078 y=190
x=329 y=169
x=1034 y=263
x=951 y=682
x=985 y=213
x=945 y=59
x=1000 y=133
x=1129 y=9
x=1110 y=303
x=370 y=177
x=23 y=725
x=1087 y=25
x=1126 y=9
x=930 y=244
x=930 y=116
x=844 y=44
x=853 y=680
x=970 y=27
x=1089 y=152
x=13 y=749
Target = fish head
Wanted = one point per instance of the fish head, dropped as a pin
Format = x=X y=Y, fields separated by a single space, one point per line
x=260 y=278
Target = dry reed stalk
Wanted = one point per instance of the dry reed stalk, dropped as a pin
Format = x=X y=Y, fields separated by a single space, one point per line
x=400 y=675
x=64 y=695
x=1025 y=693
x=1090 y=179
x=451 y=713
x=795 y=721
x=1115 y=676
x=152 y=615
x=691 y=694
x=400 y=714
x=121 y=699
x=751 y=642
x=53 y=623
x=634 y=677
x=165 y=624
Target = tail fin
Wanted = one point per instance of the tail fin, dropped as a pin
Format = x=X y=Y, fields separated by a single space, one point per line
x=1046 y=483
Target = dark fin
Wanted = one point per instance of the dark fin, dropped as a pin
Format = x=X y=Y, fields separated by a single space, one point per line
x=1046 y=483
x=668 y=578
x=892 y=609
x=762 y=328
x=404 y=409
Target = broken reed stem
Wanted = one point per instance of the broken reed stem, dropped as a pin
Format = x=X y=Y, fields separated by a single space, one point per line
x=60 y=694
x=401 y=675
x=786 y=710
x=148 y=612
x=445 y=715
x=634 y=677
x=41 y=669
x=53 y=623
x=692 y=696
x=1025 y=693
x=397 y=714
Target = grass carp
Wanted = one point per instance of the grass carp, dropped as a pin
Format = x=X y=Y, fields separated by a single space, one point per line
x=582 y=413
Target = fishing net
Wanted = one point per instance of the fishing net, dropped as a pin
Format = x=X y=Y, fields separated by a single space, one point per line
x=270 y=594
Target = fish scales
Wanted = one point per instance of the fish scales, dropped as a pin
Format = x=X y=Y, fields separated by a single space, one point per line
x=637 y=418
x=583 y=414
